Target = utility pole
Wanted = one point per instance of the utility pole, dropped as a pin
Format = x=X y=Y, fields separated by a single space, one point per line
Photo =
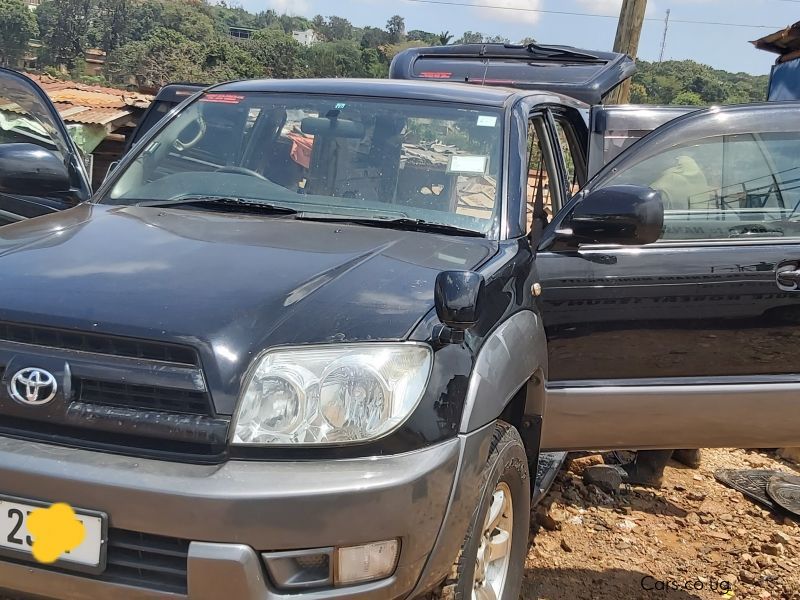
x=629 y=30
x=664 y=39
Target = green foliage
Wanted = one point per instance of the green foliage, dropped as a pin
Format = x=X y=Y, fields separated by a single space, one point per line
x=110 y=25
x=374 y=37
x=276 y=53
x=63 y=30
x=426 y=37
x=166 y=55
x=689 y=82
x=151 y=42
x=17 y=26
x=687 y=98
x=470 y=37
x=396 y=28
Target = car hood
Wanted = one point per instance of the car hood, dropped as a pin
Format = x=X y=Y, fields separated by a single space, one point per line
x=229 y=285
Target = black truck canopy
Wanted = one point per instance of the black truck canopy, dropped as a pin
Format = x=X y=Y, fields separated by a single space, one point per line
x=583 y=74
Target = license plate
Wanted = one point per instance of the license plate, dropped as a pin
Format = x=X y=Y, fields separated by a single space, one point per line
x=16 y=540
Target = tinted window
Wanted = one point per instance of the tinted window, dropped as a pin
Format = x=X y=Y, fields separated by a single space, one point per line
x=725 y=187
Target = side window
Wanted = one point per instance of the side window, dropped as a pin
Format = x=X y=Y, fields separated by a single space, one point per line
x=542 y=174
x=741 y=186
x=572 y=153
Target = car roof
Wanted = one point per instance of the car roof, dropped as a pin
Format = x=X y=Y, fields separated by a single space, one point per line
x=382 y=88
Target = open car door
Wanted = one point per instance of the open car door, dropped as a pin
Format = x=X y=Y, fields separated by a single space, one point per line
x=41 y=170
x=688 y=342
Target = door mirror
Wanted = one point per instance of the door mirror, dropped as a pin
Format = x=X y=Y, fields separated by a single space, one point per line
x=618 y=214
x=458 y=296
x=30 y=170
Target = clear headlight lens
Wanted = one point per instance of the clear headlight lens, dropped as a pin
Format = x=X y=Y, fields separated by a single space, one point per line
x=331 y=394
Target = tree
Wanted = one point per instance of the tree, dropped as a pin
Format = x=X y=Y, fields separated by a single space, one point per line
x=497 y=39
x=373 y=37
x=396 y=27
x=166 y=55
x=63 y=29
x=277 y=53
x=444 y=38
x=110 y=24
x=342 y=58
x=430 y=39
x=527 y=41
x=17 y=27
x=228 y=59
x=689 y=98
x=339 y=28
x=471 y=37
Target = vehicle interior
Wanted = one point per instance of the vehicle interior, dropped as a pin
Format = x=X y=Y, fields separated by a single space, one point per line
x=431 y=161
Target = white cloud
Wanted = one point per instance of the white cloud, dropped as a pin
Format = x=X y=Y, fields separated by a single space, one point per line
x=291 y=7
x=511 y=16
x=601 y=7
x=612 y=7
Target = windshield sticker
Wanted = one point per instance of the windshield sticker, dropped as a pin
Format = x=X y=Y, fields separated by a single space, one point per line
x=468 y=164
x=222 y=98
x=487 y=121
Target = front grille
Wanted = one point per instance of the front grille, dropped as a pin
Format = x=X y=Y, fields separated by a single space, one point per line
x=143 y=397
x=148 y=561
x=97 y=343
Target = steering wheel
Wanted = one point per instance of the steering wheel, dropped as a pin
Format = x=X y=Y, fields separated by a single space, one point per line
x=241 y=171
x=180 y=145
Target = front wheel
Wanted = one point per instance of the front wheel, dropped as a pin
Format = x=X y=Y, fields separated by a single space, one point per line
x=492 y=558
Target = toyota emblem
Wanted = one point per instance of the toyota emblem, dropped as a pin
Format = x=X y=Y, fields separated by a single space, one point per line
x=32 y=386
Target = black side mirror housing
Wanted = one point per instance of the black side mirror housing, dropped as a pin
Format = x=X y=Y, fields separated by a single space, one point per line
x=30 y=170
x=618 y=214
x=458 y=296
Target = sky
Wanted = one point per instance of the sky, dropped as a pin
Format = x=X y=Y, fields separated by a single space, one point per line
x=721 y=46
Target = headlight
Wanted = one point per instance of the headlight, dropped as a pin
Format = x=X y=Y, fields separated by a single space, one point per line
x=331 y=394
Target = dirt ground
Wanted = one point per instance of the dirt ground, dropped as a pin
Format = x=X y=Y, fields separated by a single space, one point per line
x=693 y=534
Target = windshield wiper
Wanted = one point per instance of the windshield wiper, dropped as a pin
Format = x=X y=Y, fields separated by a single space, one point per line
x=404 y=223
x=224 y=201
x=542 y=51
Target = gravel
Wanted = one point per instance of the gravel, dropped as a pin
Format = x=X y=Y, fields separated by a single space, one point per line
x=692 y=539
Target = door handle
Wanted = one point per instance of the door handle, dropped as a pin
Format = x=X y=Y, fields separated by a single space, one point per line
x=788 y=277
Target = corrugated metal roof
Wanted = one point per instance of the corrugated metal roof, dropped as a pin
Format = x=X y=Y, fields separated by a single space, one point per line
x=90 y=116
x=85 y=98
x=785 y=42
x=91 y=104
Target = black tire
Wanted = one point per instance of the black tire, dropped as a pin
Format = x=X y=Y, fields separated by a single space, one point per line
x=507 y=463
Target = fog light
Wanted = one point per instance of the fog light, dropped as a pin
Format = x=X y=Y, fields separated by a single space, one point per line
x=357 y=564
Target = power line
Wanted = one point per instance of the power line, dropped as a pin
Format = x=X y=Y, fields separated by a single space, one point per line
x=584 y=14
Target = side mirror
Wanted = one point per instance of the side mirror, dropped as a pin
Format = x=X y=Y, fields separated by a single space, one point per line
x=618 y=214
x=458 y=296
x=30 y=170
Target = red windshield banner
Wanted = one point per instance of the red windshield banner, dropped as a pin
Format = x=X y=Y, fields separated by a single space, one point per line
x=222 y=98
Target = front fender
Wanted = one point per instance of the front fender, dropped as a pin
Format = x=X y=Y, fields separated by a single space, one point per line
x=509 y=357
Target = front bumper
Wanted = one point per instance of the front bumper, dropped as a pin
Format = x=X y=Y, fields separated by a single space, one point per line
x=230 y=513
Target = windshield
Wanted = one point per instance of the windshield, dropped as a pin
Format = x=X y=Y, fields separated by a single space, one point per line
x=348 y=156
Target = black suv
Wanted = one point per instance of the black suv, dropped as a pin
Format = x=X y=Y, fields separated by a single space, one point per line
x=311 y=338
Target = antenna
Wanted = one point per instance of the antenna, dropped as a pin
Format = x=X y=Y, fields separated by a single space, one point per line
x=664 y=38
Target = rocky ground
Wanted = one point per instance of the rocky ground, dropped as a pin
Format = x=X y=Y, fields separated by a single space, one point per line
x=694 y=534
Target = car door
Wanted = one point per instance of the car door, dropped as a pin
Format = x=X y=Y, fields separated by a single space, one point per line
x=40 y=167
x=691 y=341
